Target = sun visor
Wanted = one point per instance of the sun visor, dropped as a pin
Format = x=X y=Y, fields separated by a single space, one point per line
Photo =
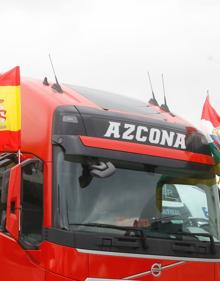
x=86 y=131
x=142 y=130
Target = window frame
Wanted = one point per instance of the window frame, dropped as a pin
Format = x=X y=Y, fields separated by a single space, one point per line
x=25 y=242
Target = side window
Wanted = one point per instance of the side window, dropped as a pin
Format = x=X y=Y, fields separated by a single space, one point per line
x=32 y=202
x=3 y=197
x=7 y=161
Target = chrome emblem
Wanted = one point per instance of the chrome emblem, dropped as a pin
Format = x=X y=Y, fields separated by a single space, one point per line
x=156 y=269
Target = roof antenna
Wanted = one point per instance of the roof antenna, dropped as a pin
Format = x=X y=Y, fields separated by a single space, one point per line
x=45 y=82
x=153 y=100
x=164 y=106
x=207 y=93
x=56 y=86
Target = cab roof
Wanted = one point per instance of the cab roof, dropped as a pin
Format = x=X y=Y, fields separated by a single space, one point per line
x=99 y=99
x=40 y=101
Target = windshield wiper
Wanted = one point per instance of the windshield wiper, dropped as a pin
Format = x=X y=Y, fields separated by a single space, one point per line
x=105 y=225
x=188 y=246
x=128 y=229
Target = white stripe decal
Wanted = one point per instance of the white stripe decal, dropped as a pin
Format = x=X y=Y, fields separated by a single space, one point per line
x=140 y=256
x=136 y=275
x=149 y=271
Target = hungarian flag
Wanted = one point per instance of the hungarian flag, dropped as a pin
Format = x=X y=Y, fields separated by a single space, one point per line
x=211 y=128
x=10 y=111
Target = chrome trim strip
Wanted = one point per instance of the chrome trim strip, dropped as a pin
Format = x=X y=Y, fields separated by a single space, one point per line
x=150 y=272
x=101 y=279
x=139 y=256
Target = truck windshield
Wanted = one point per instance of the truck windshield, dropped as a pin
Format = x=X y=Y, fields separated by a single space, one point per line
x=161 y=203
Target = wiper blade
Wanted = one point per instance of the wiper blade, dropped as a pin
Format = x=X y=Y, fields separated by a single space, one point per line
x=128 y=229
x=105 y=225
x=193 y=234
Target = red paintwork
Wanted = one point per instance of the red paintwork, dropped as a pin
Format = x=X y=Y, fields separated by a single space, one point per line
x=63 y=261
x=53 y=262
x=15 y=264
x=130 y=266
x=146 y=149
x=38 y=105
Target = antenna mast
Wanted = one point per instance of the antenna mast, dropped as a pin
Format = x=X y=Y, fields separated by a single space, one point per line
x=207 y=92
x=55 y=86
x=153 y=100
x=164 y=106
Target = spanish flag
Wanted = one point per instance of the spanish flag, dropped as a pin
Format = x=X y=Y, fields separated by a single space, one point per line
x=10 y=111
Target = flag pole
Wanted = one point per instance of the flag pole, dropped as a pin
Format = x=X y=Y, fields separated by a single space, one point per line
x=19 y=156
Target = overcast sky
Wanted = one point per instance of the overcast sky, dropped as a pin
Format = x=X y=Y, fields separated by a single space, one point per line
x=111 y=44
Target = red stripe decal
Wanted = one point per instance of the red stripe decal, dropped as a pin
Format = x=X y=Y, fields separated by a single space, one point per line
x=146 y=150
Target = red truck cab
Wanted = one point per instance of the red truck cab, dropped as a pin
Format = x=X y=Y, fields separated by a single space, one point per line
x=109 y=188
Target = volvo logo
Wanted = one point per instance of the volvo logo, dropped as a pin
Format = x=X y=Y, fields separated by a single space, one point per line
x=156 y=269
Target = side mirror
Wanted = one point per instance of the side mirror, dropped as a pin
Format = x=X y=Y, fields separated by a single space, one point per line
x=102 y=169
x=95 y=169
